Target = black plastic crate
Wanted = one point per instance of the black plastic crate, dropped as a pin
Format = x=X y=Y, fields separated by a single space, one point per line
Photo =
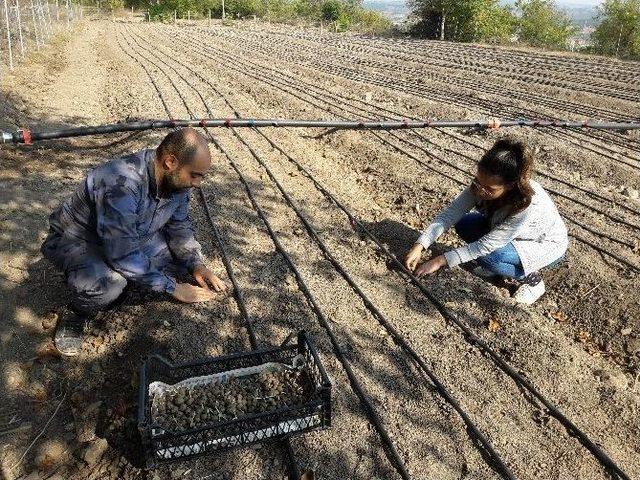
x=162 y=446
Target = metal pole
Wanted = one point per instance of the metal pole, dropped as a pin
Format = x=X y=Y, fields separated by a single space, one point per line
x=49 y=17
x=44 y=34
x=19 y=21
x=619 y=39
x=6 y=17
x=35 y=25
x=222 y=9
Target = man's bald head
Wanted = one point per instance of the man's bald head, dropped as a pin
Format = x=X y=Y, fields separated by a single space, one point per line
x=186 y=144
x=182 y=161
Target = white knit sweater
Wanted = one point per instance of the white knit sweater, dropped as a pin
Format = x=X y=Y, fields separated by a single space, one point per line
x=538 y=233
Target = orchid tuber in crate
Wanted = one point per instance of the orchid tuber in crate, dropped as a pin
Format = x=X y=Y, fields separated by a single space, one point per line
x=215 y=404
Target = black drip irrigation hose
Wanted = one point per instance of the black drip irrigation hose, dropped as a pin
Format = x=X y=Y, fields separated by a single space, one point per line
x=551 y=131
x=447 y=314
x=479 y=439
x=435 y=94
x=294 y=472
x=390 y=449
x=577 y=201
x=237 y=291
x=589 y=243
x=403 y=272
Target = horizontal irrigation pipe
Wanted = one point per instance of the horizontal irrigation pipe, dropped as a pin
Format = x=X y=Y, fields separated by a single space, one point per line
x=27 y=136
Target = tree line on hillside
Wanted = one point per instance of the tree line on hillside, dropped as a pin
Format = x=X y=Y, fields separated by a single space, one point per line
x=538 y=23
x=340 y=15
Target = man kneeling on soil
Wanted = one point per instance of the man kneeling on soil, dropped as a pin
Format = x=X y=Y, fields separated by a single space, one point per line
x=129 y=222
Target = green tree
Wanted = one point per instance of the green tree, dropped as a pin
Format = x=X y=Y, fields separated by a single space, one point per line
x=542 y=24
x=618 y=32
x=332 y=10
x=462 y=20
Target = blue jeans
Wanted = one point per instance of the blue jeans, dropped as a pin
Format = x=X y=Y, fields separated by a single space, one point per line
x=503 y=261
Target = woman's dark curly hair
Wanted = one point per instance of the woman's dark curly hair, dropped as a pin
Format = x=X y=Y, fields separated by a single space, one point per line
x=511 y=160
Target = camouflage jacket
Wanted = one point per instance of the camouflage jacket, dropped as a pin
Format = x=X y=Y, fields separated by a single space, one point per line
x=119 y=209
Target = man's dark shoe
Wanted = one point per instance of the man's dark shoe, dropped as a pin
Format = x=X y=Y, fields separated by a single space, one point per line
x=69 y=333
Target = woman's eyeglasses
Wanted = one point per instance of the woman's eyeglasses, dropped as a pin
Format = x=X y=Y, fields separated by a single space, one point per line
x=481 y=188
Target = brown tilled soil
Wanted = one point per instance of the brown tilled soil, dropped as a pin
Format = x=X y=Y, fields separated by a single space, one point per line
x=579 y=345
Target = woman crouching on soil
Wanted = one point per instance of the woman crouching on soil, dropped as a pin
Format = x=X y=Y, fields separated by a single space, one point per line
x=514 y=230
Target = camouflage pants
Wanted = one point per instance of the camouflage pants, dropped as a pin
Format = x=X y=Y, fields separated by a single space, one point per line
x=95 y=285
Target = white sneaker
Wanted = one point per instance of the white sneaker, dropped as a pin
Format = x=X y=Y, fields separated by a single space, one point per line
x=528 y=294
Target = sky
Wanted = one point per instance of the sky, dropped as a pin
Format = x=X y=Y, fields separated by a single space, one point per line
x=578 y=2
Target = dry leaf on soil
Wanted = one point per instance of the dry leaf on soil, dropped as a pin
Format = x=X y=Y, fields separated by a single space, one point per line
x=559 y=316
x=494 y=325
x=47 y=351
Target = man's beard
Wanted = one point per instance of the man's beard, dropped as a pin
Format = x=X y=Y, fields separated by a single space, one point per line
x=171 y=186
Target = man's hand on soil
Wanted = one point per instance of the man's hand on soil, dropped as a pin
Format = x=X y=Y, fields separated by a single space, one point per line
x=207 y=279
x=187 y=293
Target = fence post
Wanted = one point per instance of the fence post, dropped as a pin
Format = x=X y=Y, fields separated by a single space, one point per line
x=43 y=34
x=223 y=10
x=6 y=17
x=35 y=25
x=49 y=17
x=19 y=21
x=188 y=15
x=44 y=31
